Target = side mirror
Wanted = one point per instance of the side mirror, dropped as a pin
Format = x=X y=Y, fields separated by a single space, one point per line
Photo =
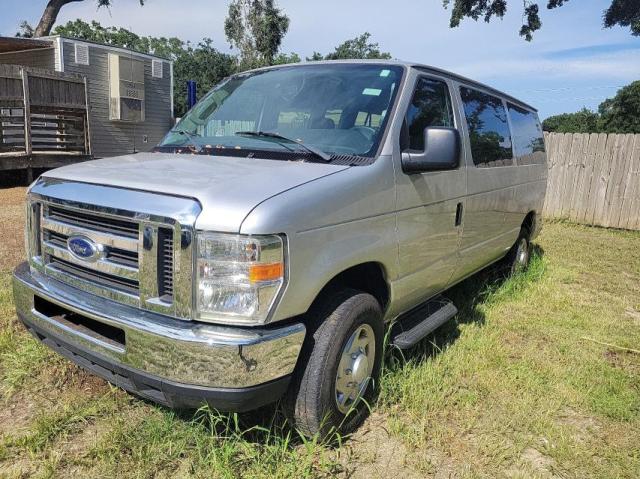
x=441 y=151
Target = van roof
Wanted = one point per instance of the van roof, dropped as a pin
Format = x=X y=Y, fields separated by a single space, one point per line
x=418 y=66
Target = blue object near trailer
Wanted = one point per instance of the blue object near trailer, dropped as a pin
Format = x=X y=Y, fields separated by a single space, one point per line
x=192 y=93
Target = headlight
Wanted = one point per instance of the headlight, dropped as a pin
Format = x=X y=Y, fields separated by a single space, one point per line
x=239 y=277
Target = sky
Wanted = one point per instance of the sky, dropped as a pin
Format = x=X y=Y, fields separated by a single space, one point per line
x=572 y=61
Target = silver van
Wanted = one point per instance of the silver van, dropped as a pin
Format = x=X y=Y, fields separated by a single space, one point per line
x=288 y=218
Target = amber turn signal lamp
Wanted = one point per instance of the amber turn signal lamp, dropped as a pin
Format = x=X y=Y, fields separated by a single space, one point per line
x=265 y=272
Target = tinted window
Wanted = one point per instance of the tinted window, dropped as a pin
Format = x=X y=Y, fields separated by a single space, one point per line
x=488 y=128
x=431 y=106
x=528 y=141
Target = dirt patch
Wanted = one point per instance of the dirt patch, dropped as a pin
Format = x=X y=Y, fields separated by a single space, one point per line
x=372 y=452
x=573 y=418
x=538 y=461
x=11 y=227
x=21 y=468
x=77 y=445
x=621 y=359
x=67 y=377
x=17 y=413
x=633 y=314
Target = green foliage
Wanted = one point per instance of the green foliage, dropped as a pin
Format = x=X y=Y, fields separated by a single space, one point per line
x=51 y=11
x=201 y=62
x=169 y=48
x=256 y=28
x=26 y=30
x=359 y=47
x=625 y=13
x=620 y=114
x=284 y=58
x=583 y=121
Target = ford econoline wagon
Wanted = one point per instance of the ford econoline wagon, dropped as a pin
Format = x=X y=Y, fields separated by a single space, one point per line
x=262 y=249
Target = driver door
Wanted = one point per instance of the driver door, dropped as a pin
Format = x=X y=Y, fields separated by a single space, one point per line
x=430 y=204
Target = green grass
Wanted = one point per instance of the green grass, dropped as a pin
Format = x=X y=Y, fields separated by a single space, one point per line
x=516 y=386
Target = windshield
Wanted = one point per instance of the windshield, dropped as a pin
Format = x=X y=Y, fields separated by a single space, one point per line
x=338 y=109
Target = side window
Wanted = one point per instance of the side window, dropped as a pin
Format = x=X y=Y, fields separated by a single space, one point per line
x=431 y=106
x=488 y=128
x=528 y=140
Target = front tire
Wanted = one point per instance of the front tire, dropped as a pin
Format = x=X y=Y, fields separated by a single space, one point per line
x=341 y=364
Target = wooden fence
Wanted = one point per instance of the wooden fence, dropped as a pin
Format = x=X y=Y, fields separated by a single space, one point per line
x=43 y=118
x=594 y=179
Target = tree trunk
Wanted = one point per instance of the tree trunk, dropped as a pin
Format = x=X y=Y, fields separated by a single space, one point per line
x=49 y=17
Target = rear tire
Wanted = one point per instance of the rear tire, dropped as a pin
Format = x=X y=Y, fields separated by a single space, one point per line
x=517 y=259
x=341 y=364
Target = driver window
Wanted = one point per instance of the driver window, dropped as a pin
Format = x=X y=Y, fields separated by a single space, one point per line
x=430 y=106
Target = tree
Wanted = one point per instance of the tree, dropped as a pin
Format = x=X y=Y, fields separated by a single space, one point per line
x=26 y=30
x=51 y=11
x=202 y=62
x=256 y=28
x=358 y=47
x=625 y=13
x=169 y=48
x=583 y=121
x=284 y=58
x=621 y=114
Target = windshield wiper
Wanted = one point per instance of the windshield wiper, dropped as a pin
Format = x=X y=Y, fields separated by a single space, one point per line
x=186 y=133
x=276 y=136
x=189 y=135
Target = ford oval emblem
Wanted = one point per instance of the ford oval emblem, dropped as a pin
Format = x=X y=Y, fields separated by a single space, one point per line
x=84 y=248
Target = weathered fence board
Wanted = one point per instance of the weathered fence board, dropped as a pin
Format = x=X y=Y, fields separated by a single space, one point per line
x=594 y=179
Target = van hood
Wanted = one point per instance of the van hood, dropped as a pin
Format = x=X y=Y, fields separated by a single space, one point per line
x=228 y=188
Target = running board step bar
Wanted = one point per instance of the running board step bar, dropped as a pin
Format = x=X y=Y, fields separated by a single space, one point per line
x=413 y=326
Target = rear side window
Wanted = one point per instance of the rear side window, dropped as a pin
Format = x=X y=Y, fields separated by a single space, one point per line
x=430 y=106
x=488 y=128
x=528 y=140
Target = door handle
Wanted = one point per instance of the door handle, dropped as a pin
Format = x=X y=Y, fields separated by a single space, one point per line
x=459 y=214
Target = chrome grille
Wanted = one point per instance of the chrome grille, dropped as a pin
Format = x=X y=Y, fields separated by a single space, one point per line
x=114 y=255
x=117 y=267
x=94 y=222
x=96 y=277
x=142 y=257
x=123 y=257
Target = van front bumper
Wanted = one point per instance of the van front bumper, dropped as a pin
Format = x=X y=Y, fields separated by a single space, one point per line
x=180 y=364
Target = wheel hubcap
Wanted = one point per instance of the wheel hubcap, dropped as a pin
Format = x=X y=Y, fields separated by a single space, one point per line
x=356 y=365
x=522 y=254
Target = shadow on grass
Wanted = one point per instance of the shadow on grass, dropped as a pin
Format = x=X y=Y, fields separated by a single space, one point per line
x=269 y=426
x=469 y=296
